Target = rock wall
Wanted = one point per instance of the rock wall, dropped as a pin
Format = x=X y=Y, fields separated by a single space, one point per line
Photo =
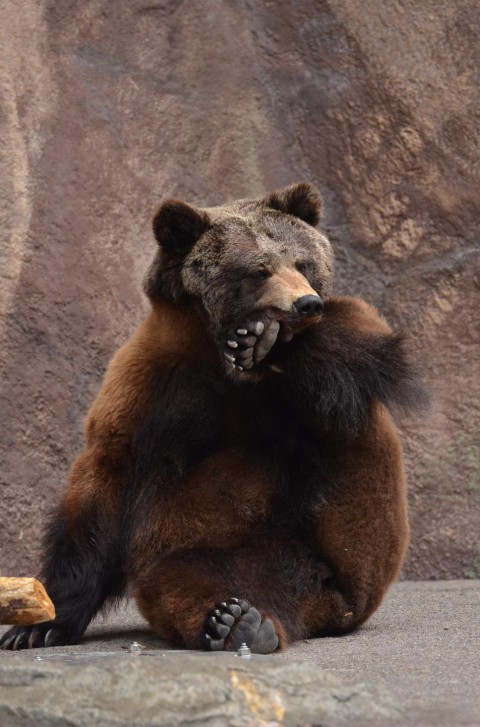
x=106 y=106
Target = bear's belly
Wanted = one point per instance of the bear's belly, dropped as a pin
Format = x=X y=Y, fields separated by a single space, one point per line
x=216 y=505
x=260 y=471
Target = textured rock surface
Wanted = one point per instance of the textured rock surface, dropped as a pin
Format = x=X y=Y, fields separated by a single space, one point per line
x=421 y=646
x=106 y=106
x=173 y=689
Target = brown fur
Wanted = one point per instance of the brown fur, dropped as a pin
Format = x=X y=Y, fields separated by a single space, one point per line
x=362 y=534
x=283 y=288
x=282 y=485
x=362 y=531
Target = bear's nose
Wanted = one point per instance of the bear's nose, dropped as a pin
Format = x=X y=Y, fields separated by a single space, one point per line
x=308 y=305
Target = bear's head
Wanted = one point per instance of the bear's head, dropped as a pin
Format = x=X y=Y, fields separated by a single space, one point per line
x=247 y=260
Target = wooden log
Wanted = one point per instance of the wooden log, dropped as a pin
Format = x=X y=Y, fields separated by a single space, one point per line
x=24 y=601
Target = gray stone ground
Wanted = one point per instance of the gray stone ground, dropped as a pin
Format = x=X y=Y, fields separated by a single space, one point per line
x=422 y=647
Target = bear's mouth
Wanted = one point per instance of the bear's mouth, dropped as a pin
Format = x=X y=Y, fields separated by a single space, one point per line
x=292 y=323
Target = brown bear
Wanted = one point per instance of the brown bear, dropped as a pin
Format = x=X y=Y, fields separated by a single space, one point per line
x=241 y=471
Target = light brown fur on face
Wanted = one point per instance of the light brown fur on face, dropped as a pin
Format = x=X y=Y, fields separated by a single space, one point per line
x=283 y=288
x=219 y=270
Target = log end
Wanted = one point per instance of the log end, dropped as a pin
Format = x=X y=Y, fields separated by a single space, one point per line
x=24 y=601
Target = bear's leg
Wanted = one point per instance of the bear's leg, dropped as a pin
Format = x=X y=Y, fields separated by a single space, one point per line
x=82 y=566
x=218 y=599
x=361 y=531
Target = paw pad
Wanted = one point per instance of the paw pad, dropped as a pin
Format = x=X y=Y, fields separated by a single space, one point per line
x=233 y=623
x=248 y=345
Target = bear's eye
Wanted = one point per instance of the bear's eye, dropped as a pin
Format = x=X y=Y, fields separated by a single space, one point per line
x=301 y=267
x=259 y=274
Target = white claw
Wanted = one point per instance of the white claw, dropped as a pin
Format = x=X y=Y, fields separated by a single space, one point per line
x=240 y=368
x=258 y=328
x=242 y=331
x=230 y=358
x=232 y=344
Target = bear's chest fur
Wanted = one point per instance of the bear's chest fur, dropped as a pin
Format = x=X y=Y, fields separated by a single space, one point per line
x=215 y=459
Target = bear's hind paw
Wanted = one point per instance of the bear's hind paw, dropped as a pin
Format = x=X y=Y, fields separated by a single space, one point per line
x=232 y=624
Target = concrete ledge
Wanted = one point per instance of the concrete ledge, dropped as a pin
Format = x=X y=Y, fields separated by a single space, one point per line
x=181 y=688
x=422 y=647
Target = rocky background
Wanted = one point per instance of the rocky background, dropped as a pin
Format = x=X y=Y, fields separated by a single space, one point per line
x=109 y=105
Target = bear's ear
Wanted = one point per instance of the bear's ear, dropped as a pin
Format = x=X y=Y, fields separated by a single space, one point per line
x=301 y=200
x=177 y=226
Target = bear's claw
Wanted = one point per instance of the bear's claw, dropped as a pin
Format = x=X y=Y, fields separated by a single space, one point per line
x=250 y=344
x=232 y=624
x=31 y=637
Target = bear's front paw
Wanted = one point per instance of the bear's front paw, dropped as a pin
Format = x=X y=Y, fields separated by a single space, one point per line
x=247 y=345
x=232 y=624
x=29 y=637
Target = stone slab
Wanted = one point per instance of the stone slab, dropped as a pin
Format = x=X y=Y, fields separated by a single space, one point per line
x=181 y=688
x=422 y=647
